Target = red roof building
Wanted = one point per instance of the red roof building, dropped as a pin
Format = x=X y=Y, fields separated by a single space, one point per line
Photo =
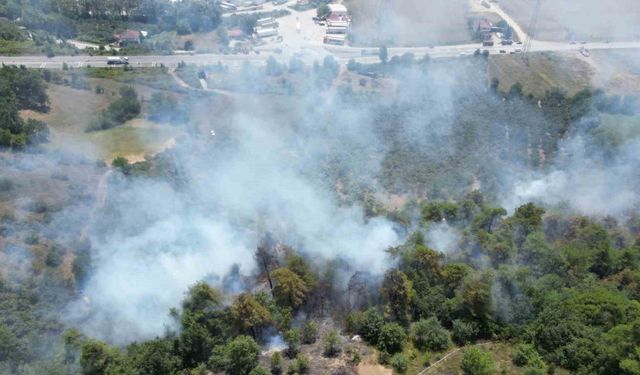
x=128 y=36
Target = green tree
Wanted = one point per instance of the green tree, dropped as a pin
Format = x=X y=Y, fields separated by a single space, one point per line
x=429 y=334
x=292 y=338
x=323 y=11
x=476 y=361
x=200 y=297
x=241 y=355
x=155 y=357
x=400 y=363
x=397 y=291
x=98 y=358
x=464 y=332
x=277 y=363
x=309 y=332
x=392 y=338
x=372 y=324
x=289 y=290
x=331 y=344
x=249 y=315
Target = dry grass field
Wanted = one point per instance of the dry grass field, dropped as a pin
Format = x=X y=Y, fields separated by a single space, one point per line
x=588 y=20
x=409 y=22
x=545 y=71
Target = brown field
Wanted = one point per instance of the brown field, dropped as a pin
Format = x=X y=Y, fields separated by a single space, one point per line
x=589 y=20
x=545 y=71
x=409 y=22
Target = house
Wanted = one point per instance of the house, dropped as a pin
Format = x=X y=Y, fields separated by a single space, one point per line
x=127 y=37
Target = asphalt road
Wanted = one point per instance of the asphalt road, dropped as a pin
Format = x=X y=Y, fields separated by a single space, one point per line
x=307 y=54
x=306 y=45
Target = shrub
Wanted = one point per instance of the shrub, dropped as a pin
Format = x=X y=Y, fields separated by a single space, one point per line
x=464 y=332
x=477 y=362
x=429 y=334
x=399 y=363
x=309 y=332
x=276 y=363
x=259 y=371
x=371 y=326
x=331 y=344
x=391 y=339
x=523 y=354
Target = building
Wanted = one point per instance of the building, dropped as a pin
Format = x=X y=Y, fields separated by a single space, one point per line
x=338 y=12
x=128 y=37
x=482 y=26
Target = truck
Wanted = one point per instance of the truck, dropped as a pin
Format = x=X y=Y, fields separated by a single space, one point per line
x=335 y=39
x=337 y=30
x=265 y=33
x=265 y=21
x=117 y=60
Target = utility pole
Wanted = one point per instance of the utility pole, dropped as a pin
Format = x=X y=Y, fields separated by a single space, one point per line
x=532 y=32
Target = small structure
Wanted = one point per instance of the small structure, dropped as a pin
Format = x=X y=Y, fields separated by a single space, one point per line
x=235 y=33
x=127 y=37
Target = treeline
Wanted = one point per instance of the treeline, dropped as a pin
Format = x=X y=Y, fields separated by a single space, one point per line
x=65 y=18
x=21 y=88
x=561 y=290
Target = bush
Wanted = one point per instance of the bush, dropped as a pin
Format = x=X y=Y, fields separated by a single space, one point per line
x=392 y=338
x=292 y=338
x=464 y=332
x=309 y=332
x=125 y=108
x=276 y=363
x=399 y=363
x=259 y=371
x=331 y=344
x=477 y=362
x=299 y=366
x=429 y=334
x=523 y=354
x=372 y=324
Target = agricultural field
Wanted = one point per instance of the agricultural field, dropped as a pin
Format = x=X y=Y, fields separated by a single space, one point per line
x=437 y=22
x=588 y=20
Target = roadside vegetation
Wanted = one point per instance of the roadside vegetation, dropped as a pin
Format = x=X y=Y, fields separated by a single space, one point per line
x=21 y=89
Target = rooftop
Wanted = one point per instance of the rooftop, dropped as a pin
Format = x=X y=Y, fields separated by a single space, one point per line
x=337 y=8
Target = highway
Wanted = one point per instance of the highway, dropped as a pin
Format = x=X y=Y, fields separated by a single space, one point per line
x=307 y=46
x=307 y=54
